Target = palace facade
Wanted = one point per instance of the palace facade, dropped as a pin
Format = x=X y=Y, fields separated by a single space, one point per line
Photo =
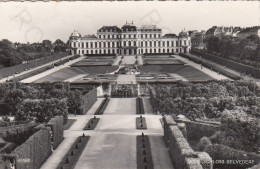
x=129 y=40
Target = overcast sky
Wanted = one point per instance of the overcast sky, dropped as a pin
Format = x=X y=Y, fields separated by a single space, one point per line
x=33 y=22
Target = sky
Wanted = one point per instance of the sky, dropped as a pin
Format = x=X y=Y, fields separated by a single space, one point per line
x=36 y=21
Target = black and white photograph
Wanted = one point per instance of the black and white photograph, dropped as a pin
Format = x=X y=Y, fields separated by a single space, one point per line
x=130 y=85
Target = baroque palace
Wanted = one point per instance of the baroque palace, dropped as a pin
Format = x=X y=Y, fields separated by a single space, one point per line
x=129 y=40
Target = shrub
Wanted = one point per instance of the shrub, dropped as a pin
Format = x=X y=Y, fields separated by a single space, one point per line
x=204 y=143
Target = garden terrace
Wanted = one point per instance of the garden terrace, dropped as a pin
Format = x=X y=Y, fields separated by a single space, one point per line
x=92 y=123
x=186 y=71
x=161 y=60
x=70 y=159
x=98 y=69
x=143 y=151
x=61 y=75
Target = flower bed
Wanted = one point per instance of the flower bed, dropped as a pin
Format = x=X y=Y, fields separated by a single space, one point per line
x=100 y=110
x=70 y=159
x=139 y=106
x=92 y=123
x=141 y=123
x=143 y=150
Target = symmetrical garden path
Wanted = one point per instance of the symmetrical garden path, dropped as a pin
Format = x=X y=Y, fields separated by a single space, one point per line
x=113 y=143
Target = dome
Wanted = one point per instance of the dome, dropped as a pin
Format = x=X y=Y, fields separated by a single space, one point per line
x=183 y=33
x=75 y=34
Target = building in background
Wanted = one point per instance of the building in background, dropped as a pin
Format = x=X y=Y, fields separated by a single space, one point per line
x=197 y=39
x=129 y=40
x=249 y=31
x=222 y=31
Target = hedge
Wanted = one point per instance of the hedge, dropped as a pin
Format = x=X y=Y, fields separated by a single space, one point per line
x=212 y=66
x=167 y=122
x=222 y=152
x=139 y=106
x=197 y=130
x=56 y=125
x=87 y=101
x=102 y=107
x=192 y=163
x=143 y=152
x=179 y=148
x=61 y=62
x=36 y=150
x=233 y=65
x=205 y=160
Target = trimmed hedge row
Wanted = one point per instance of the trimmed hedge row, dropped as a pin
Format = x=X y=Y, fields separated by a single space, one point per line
x=181 y=153
x=167 y=122
x=87 y=101
x=56 y=125
x=211 y=66
x=61 y=62
x=229 y=63
x=197 y=130
x=102 y=107
x=74 y=57
x=139 y=106
x=72 y=156
x=36 y=150
x=22 y=67
x=179 y=148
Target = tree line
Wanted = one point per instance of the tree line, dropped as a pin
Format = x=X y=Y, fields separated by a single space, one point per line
x=17 y=53
x=246 y=51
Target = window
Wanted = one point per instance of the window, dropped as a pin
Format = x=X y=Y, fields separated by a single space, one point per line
x=104 y=44
x=168 y=43
x=141 y=35
x=96 y=45
x=124 y=43
x=86 y=44
x=163 y=50
x=151 y=51
x=154 y=51
x=141 y=44
x=163 y=43
x=151 y=44
x=159 y=43
x=154 y=35
x=113 y=45
x=100 y=51
x=177 y=44
x=108 y=44
x=112 y=36
x=108 y=36
x=91 y=45
x=134 y=43
x=146 y=44
x=74 y=44
x=168 y=50
x=154 y=44
x=99 y=36
x=145 y=35
x=82 y=44
x=172 y=43
x=159 y=50
x=100 y=44
x=150 y=35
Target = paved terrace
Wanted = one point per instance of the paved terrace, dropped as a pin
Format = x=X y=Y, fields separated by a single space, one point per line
x=113 y=143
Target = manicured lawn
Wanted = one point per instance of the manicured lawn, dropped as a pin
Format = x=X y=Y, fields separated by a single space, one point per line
x=92 y=123
x=186 y=71
x=61 y=75
x=98 y=69
x=143 y=150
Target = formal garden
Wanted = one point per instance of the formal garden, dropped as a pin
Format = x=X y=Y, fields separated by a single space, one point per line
x=221 y=117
